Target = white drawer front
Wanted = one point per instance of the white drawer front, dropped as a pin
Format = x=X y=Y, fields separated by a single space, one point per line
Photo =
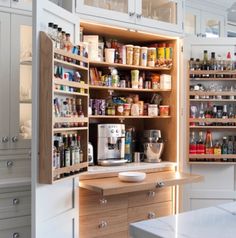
x=15 y=204
x=18 y=232
x=14 y=166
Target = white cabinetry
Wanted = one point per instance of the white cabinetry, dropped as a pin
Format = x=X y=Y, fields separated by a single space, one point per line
x=17 y=4
x=165 y=15
x=15 y=116
x=5 y=3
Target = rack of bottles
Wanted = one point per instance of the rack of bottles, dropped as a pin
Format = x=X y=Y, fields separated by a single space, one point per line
x=212 y=110
x=63 y=109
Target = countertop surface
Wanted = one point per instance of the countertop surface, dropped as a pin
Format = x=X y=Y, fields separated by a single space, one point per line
x=212 y=222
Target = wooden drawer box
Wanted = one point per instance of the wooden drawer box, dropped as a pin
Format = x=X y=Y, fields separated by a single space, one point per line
x=15 y=166
x=15 y=204
x=103 y=224
x=150 y=211
x=16 y=227
x=92 y=202
x=149 y=197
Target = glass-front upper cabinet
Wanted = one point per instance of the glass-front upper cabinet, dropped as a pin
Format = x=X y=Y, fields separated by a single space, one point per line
x=121 y=10
x=21 y=82
x=192 y=21
x=22 y=4
x=5 y=3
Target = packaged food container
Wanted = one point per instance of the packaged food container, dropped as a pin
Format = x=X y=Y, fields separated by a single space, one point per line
x=135 y=109
x=141 y=107
x=119 y=109
x=127 y=109
x=165 y=81
x=136 y=55
x=164 y=110
x=155 y=81
x=151 y=57
x=134 y=78
x=129 y=54
x=152 y=110
x=109 y=55
x=143 y=56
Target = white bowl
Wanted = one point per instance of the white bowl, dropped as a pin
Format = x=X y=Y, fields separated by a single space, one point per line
x=132 y=176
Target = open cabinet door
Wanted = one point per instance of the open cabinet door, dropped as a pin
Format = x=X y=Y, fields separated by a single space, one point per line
x=219 y=90
x=53 y=206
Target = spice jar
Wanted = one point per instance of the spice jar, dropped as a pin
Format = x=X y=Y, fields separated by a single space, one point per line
x=127 y=109
x=129 y=54
x=155 y=81
x=119 y=109
x=143 y=56
x=164 y=110
x=152 y=110
x=151 y=57
x=136 y=55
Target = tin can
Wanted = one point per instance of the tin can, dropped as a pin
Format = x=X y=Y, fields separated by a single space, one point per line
x=164 y=110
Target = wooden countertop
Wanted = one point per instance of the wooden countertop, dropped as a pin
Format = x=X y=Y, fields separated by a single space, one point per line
x=114 y=186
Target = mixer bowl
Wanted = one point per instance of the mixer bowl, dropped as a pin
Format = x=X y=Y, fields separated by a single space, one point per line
x=153 y=152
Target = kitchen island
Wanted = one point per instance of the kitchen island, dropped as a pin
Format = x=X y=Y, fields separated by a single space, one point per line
x=212 y=222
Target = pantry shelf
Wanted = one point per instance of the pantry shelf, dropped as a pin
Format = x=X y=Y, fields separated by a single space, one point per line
x=210 y=156
x=70 y=65
x=213 y=127
x=213 y=79
x=70 y=93
x=129 y=117
x=126 y=66
x=208 y=93
x=213 y=72
x=212 y=120
x=70 y=120
x=69 y=129
x=70 y=83
x=212 y=100
x=210 y=162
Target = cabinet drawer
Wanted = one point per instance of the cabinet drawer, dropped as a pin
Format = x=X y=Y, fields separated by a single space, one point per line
x=149 y=197
x=92 y=202
x=15 y=204
x=18 y=232
x=150 y=211
x=14 y=166
x=103 y=224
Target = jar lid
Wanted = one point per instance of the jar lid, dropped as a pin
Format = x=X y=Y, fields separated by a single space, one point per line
x=152 y=105
x=144 y=47
x=151 y=48
x=136 y=46
x=129 y=45
x=164 y=106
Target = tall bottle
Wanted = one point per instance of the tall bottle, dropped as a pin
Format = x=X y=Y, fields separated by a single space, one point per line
x=80 y=111
x=81 y=154
x=205 y=64
x=193 y=144
x=224 y=147
x=201 y=114
x=213 y=64
x=225 y=115
x=209 y=143
x=200 y=144
x=192 y=67
x=56 y=156
x=50 y=29
x=208 y=113
x=230 y=145
x=229 y=62
x=214 y=114
x=231 y=115
x=66 y=141
x=61 y=151
x=72 y=150
x=234 y=144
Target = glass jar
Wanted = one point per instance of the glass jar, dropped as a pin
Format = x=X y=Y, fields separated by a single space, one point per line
x=129 y=54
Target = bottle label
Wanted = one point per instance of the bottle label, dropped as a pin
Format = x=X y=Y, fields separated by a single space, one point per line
x=217 y=151
x=72 y=157
x=192 y=149
x=77 y=157
x=201 y=149
x=209 y=150
x=67 y=158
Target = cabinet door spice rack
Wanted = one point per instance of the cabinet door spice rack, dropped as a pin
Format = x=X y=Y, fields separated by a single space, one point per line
x=50 y=124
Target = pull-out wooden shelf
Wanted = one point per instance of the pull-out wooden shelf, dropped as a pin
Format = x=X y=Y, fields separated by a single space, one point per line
x=113 y=186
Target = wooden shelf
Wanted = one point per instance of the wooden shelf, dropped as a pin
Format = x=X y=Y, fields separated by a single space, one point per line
x=213 y=79
x=207 y=156
x=70 y=55
x=212 y=120
x=70 y=65
x=210 y=163
x=125 y=66
x=55 y=130
x=128 y=117
x=70 y=93
x=206 y=72
x=70 y=83
x=209 y=93
x=128 y=89
x=70 y=120
x=213 y=127
x=212 y=100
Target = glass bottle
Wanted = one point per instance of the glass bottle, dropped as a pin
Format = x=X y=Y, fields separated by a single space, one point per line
x=192 y=67
x=230 y=145
x=128 y=145
x=61 y=150
x=62 y=40
x=224 y=147
x=81 y=154
x=56 y=156
x=231 y=115
x=234 y=144
x=193 y=144
x=214 y=114
x=54 y=35
x=220 y=66
x=200 y=144
x=74 y=111
x=219 y=114
x=197 y=67
x=217 y=148
x=201 y=114
x=59 y=35
x=72 y=150
x=66 y=141
x=229 y=62
x=80 y=111
x=50 y=29
x=208 y=113
x=225 y=115
x=213 y=64
x=205 y=64
x=209 y=144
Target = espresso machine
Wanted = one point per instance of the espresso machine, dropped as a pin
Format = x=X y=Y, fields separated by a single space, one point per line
x=111 y=144
x=153 y=146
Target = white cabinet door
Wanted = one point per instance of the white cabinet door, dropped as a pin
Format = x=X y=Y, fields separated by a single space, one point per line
x=162 y=14
x=5 y=3
x=192 y=22
x=4 y=79
x=22 y=4
x=21 y=80
x=121 y=10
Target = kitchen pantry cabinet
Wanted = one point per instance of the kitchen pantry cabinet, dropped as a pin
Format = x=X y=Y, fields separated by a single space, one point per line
x=18 y=4
x=164 y=14
x=16 y=58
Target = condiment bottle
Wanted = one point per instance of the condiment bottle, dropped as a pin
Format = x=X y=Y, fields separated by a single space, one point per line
x=193 y=144
x=217 y=148
x=200 y=144
x=209 y=144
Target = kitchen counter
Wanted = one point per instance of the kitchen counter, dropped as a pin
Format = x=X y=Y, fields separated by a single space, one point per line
x=112 y=171
x=213 y=222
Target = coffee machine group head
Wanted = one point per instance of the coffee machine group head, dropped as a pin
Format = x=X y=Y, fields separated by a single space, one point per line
x=111 y=144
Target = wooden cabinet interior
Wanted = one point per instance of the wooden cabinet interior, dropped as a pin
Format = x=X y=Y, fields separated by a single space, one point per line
x=167 y=125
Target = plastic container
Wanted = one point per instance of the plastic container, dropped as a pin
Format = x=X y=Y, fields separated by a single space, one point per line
x=152 y=110
x=109 y=55
x=164 y=110
x=165 y=81
x=119 y=109
x=136 y=55
x=129 y=54
x=134 y=78
x=143 y=56
x=127 y=109
x=151 y=57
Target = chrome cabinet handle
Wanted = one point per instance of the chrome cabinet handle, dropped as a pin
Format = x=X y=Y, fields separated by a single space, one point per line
x=5 y=139
x=103 y=201
x=16 y=235
x=138 y=16
x=9 y=163
x=151 y=194
x=131 y=14
x=16 y=201
x=151 y=215
x=14 y=139
x=102 y=225
x=160 y=184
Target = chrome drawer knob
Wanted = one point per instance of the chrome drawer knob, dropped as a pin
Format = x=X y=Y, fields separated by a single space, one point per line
x=5 y=139
x=151 y=194
x=151 y=215
x=160 y=184
x=102 y=225
x=9 y=163
x=16 y=235
x=131 y=14
x=103 y=201
x=138 y=16
x=16 y=201
x=14 y=139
